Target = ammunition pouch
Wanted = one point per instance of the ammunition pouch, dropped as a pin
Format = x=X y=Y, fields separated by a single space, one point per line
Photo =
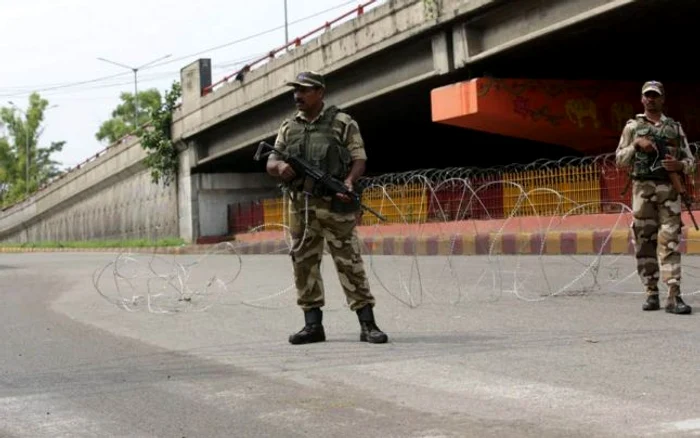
x=647 y=165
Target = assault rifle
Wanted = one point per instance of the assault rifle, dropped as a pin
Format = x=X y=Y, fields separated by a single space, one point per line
x=677 y=180
x=320 y=178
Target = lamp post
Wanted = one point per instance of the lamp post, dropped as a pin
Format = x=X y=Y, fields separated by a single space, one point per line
x=135 y=70
x=286 y=24
x=26 y=138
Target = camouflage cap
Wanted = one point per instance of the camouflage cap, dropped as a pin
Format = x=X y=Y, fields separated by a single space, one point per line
x=308 y=79
x=655 y=86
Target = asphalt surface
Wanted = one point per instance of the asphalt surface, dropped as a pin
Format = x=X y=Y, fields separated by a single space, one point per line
x=196 y=346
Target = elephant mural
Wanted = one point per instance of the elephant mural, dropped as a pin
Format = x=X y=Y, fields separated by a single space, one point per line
x=580 y=109
x=620 y=113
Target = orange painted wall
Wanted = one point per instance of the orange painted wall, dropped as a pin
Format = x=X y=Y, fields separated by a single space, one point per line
x=585 y=115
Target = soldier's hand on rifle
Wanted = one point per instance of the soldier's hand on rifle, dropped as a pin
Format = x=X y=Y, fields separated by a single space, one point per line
x=343 y=197
x=671 y=164
x=285 y=171
x=645 y=144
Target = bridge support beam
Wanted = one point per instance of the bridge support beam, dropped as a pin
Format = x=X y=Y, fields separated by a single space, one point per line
x=443 y=53
x=515 y=23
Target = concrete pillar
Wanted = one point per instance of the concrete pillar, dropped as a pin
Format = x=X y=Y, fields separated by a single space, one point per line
x=188 y=195
x=194 y=77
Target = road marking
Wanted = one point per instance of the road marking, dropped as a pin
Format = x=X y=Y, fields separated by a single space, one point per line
x=685 y=425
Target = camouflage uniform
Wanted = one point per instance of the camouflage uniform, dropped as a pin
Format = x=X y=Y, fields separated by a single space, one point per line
x=656 y=206
x=320 y=225
x=316 y=218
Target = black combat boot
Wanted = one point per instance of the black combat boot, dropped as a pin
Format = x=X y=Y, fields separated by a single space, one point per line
x=652 y=302
x=675 y=304
x=313 y=329
x=370 y=332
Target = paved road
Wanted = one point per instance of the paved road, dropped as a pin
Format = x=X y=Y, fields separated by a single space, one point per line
x=488 y=348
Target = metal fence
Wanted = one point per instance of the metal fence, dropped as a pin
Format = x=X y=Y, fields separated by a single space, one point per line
x=587 y=185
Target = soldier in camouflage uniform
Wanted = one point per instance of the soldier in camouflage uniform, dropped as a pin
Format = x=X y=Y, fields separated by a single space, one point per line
x=331 y=140
x=656 y=204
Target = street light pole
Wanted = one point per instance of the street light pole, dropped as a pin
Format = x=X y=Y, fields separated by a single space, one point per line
x=26 y=138
x=135 y=70
x=286 y=24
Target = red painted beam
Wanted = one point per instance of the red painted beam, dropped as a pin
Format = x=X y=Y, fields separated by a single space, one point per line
x=587 y=116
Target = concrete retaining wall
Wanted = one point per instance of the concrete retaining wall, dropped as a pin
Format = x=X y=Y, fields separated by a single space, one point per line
x=111 y=197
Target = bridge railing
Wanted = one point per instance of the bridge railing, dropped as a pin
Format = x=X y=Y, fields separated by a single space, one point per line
x=295 y=42
x=569 y=186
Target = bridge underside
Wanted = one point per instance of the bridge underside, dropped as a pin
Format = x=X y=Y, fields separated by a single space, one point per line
x=632 y=44
x=617 y=53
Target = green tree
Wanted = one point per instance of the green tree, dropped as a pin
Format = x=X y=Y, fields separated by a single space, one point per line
x=156 y=138
x=122 y=121
x=24 y=166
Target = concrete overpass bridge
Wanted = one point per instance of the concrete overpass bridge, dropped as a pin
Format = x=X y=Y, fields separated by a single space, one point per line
x=380 y=66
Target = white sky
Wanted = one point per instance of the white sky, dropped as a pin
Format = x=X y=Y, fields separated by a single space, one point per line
x=49 y=43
